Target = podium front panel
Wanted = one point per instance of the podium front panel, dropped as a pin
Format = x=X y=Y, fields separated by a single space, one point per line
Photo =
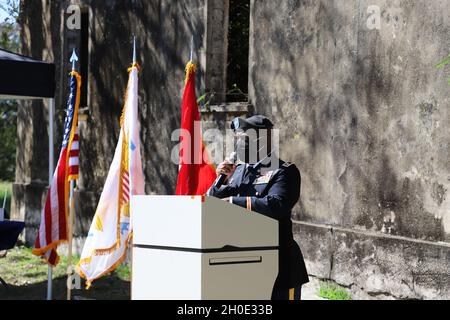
x=168 y=221
x=166 y=275
x=181 y=275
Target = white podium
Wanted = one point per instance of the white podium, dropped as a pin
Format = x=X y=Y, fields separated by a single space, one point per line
x=193 y=248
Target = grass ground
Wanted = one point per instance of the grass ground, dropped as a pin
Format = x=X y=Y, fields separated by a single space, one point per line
x=332 y=291
x=26 y=276
x=6 y=187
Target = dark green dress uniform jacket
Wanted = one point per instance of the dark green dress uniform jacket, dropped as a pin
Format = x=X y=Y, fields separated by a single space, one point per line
x=273 y=194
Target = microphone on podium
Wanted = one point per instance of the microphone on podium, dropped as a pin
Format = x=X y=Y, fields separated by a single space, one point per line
x=221 y=178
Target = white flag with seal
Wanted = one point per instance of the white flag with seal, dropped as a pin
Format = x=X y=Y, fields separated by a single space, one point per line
x=111 y=229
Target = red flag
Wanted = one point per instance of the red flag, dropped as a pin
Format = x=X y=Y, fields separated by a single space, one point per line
x=196 y=174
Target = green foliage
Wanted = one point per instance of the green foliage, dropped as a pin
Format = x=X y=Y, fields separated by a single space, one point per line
x=205 y=99
x=9 y=29
x=9 y=40
x=6 y=188
x=236 y=91
x=123 y=272
x=8 y=138
x=443 y=64
x=332 y=291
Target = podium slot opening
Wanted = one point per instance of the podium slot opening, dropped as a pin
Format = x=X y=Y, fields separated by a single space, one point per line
x=234 y=260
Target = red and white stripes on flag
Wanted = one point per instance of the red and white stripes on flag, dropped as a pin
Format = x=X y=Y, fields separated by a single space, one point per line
x=73 y=157
x=125 y=187
x=53 y=229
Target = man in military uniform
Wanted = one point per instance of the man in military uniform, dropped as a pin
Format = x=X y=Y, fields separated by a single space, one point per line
x=272 y=190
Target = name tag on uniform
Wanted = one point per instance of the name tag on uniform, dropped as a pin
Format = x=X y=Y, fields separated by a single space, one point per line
x=264 y=179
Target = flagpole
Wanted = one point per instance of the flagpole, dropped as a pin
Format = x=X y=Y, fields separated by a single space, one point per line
x=192 y=49
x=50 y=176
x=4 y=199
x=74 y=60
x=69 y=257
x=134 y=50
x=131 y=186
x=129 y=154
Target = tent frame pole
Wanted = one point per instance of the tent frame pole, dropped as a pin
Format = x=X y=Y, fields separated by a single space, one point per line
x=50 y=176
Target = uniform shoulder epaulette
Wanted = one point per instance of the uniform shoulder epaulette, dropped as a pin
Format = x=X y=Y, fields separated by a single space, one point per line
x=287 y=164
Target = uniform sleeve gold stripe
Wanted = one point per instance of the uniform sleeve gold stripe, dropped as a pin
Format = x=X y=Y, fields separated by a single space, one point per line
x=292 y=294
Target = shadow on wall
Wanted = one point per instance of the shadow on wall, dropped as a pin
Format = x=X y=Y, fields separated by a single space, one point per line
x=346 y=114
x=162 y=32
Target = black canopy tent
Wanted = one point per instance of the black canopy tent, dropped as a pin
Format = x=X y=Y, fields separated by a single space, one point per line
x=25 y=78
x=22 y=77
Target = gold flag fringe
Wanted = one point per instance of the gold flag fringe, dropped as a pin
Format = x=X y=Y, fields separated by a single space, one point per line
x=191 y=68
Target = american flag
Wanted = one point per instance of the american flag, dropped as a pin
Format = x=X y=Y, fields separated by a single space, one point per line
x=73 y=157
x=53 y=228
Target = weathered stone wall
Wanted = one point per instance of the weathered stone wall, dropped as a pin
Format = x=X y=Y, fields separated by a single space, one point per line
x=365 y=115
